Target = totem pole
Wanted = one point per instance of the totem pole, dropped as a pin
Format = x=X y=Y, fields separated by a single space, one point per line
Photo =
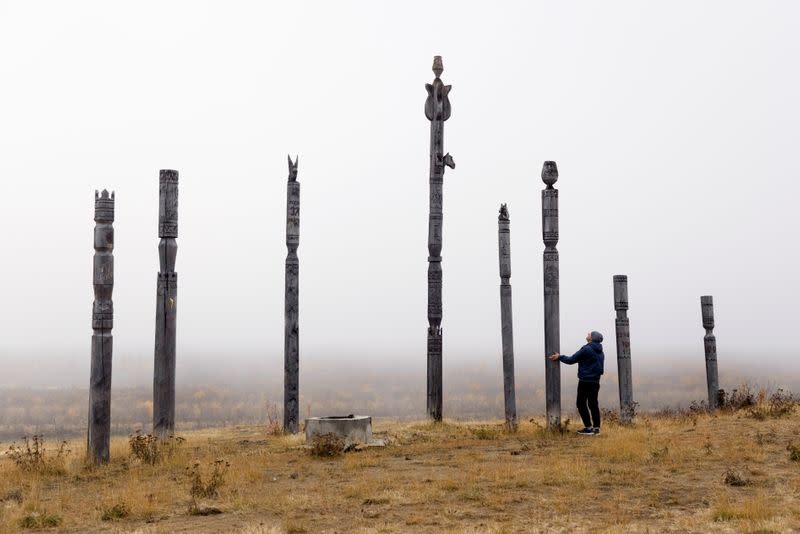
x=291 y=347
x=626 y=404
x=710 y=344
x=507 y=325
x=166 y=307
x=437 y=110
x=99 y=432
x=552 y=370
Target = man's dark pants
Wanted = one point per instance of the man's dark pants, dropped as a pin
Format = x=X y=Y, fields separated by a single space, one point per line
x=587 y=403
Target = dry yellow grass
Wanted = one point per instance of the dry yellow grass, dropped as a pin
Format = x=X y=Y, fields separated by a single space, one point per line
x=661 y=474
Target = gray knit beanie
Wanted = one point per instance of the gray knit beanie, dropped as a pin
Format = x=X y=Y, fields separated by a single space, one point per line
x=597 y=337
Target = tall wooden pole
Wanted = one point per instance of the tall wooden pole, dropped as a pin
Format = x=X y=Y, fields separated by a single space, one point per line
x=99 y=431
x=166 y=307
x=626 y=404
x=507 y=325
x=291 y=347
x=437 y=110
x=552 y=370
x=710 y=345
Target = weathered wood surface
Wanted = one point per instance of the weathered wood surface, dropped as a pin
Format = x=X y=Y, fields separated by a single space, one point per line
x=551 y=294
x=99 y=431
x=166 y=307
x=506 y=322
x=626 y=404
x=437 y=110
x=291 y=348
x=710 y=346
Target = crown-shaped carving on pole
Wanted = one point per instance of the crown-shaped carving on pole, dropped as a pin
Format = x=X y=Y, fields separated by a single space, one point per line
x=99 y=430
x=103 y=206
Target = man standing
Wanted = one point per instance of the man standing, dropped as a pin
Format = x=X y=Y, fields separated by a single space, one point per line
x=590 y=367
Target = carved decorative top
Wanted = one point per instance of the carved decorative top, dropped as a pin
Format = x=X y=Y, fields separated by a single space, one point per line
x=438 y=66
x=168 y=203
x=293 y=168
x=707 y=307
x=503 y=213
x=549 y=173
x=437 y=105
x=168 y=176
x=620 y=292
x=103 y=206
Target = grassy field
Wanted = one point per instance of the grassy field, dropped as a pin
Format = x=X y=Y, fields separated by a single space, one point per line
x=730 y=472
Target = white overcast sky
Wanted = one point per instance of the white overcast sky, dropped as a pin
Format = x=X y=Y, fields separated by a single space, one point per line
x=674 y=126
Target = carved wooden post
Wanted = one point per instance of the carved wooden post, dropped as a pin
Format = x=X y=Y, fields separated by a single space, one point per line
x=710 y=344
x=166 y=307
x=626 y=405
x=99 y=432
x=551 y=294
x=437 y=110
x=507 y=325
x=291 y=347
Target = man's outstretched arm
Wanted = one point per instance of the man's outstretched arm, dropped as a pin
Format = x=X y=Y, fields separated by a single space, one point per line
x=575 y=358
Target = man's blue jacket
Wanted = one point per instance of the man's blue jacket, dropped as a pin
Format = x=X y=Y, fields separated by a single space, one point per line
x=590 y=360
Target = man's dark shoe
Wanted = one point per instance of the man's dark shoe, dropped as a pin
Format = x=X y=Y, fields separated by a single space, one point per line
x=596 y=430
x=586 y=431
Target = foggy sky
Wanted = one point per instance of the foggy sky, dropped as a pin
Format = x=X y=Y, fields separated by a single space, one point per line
x=674 y=126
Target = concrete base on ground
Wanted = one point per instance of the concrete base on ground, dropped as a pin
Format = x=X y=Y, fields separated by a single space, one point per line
x=353 y=429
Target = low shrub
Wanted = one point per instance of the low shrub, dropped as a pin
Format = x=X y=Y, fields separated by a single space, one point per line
x=770 y=436
x=659 y=454
x=150 y=449
x=201 y=488
x=739 y=398
x=13 y=495
x=760 y=404
x=31 y=456
x=43 y=520
x=326 y=445
x=118 y=511
x=734 y=478
x=610 y=417
x=203 y=510
x=274 y=425
x=486 y=432
x=561 y=429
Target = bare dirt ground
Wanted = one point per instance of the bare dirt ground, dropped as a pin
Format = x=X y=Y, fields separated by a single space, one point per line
x=730 y=472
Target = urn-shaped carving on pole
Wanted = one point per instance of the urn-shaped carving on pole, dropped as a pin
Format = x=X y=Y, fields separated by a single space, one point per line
x=551 y=294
